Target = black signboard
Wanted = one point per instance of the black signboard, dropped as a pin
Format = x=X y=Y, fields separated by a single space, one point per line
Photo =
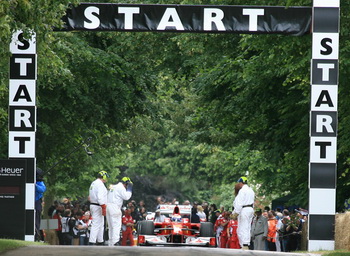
x=189 y=18
x=12 y=199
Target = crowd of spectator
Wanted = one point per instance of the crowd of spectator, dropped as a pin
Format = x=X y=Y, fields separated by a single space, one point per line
x=283 y=229
x=74 y=221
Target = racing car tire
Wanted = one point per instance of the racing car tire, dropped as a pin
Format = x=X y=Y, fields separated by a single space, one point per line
x=146 y=227
x=207 y=229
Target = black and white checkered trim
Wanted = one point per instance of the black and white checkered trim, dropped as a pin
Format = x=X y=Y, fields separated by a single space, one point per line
x=323 y=124
x=22 y=117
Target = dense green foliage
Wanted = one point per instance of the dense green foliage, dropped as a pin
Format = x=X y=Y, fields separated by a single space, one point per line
x=186 y=113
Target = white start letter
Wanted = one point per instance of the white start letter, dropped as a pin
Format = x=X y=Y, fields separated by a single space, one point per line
x=170 y=13
x=211 y=16
x=94 y=21
x=253 y=17
x=22 y=115
x=324 y=121
x=129 y=14
x=23 y=65
x=325 y=70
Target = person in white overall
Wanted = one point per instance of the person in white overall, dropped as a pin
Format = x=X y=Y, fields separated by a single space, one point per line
x=98 y=201
x=116 y=195
x=243 y=208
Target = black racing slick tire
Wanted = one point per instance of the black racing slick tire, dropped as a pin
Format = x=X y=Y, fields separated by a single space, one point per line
x=146 y=227
x=207 y=229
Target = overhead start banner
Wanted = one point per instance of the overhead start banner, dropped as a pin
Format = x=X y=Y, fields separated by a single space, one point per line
x=189 y=18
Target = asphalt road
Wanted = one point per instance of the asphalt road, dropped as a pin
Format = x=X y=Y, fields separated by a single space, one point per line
x=136 y=250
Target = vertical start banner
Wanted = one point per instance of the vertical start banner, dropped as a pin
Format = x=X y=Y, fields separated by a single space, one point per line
x=22 y=117
x=323 y=124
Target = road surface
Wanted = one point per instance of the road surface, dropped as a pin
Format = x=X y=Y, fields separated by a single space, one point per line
x=53 y=250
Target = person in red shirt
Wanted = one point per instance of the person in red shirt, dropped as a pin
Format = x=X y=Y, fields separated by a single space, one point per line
x=224 y=235
x=128 y=225
x=58 y=216
x=232 y=226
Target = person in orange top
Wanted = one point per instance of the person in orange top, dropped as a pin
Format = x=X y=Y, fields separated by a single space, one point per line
x=271 y=231
x=232 y=226
x=128 y=225
x=224 y=234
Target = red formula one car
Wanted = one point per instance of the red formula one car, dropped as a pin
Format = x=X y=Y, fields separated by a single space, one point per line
x=176 y=229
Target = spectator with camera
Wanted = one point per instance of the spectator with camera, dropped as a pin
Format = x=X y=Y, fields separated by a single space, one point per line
x=68 y=224
x=76 y=234
x=83 y=227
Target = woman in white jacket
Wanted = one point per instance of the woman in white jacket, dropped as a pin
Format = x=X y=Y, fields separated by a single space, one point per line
x=200 y=212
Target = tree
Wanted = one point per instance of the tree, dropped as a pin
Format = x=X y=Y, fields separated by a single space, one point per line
x=174 y=108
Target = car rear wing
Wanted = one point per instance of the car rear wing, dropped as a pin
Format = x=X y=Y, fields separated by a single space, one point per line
x=169 y=209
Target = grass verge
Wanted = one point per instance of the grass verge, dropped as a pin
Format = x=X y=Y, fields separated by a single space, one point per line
x=9 y=244
x=337 y=253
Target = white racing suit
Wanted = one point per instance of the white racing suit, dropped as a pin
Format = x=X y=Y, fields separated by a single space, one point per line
x=98 y=196
x=243 y=205
x=116 y=195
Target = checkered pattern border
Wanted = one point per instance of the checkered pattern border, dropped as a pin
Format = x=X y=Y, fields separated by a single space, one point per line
x=323 y=124
x=22 y=117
